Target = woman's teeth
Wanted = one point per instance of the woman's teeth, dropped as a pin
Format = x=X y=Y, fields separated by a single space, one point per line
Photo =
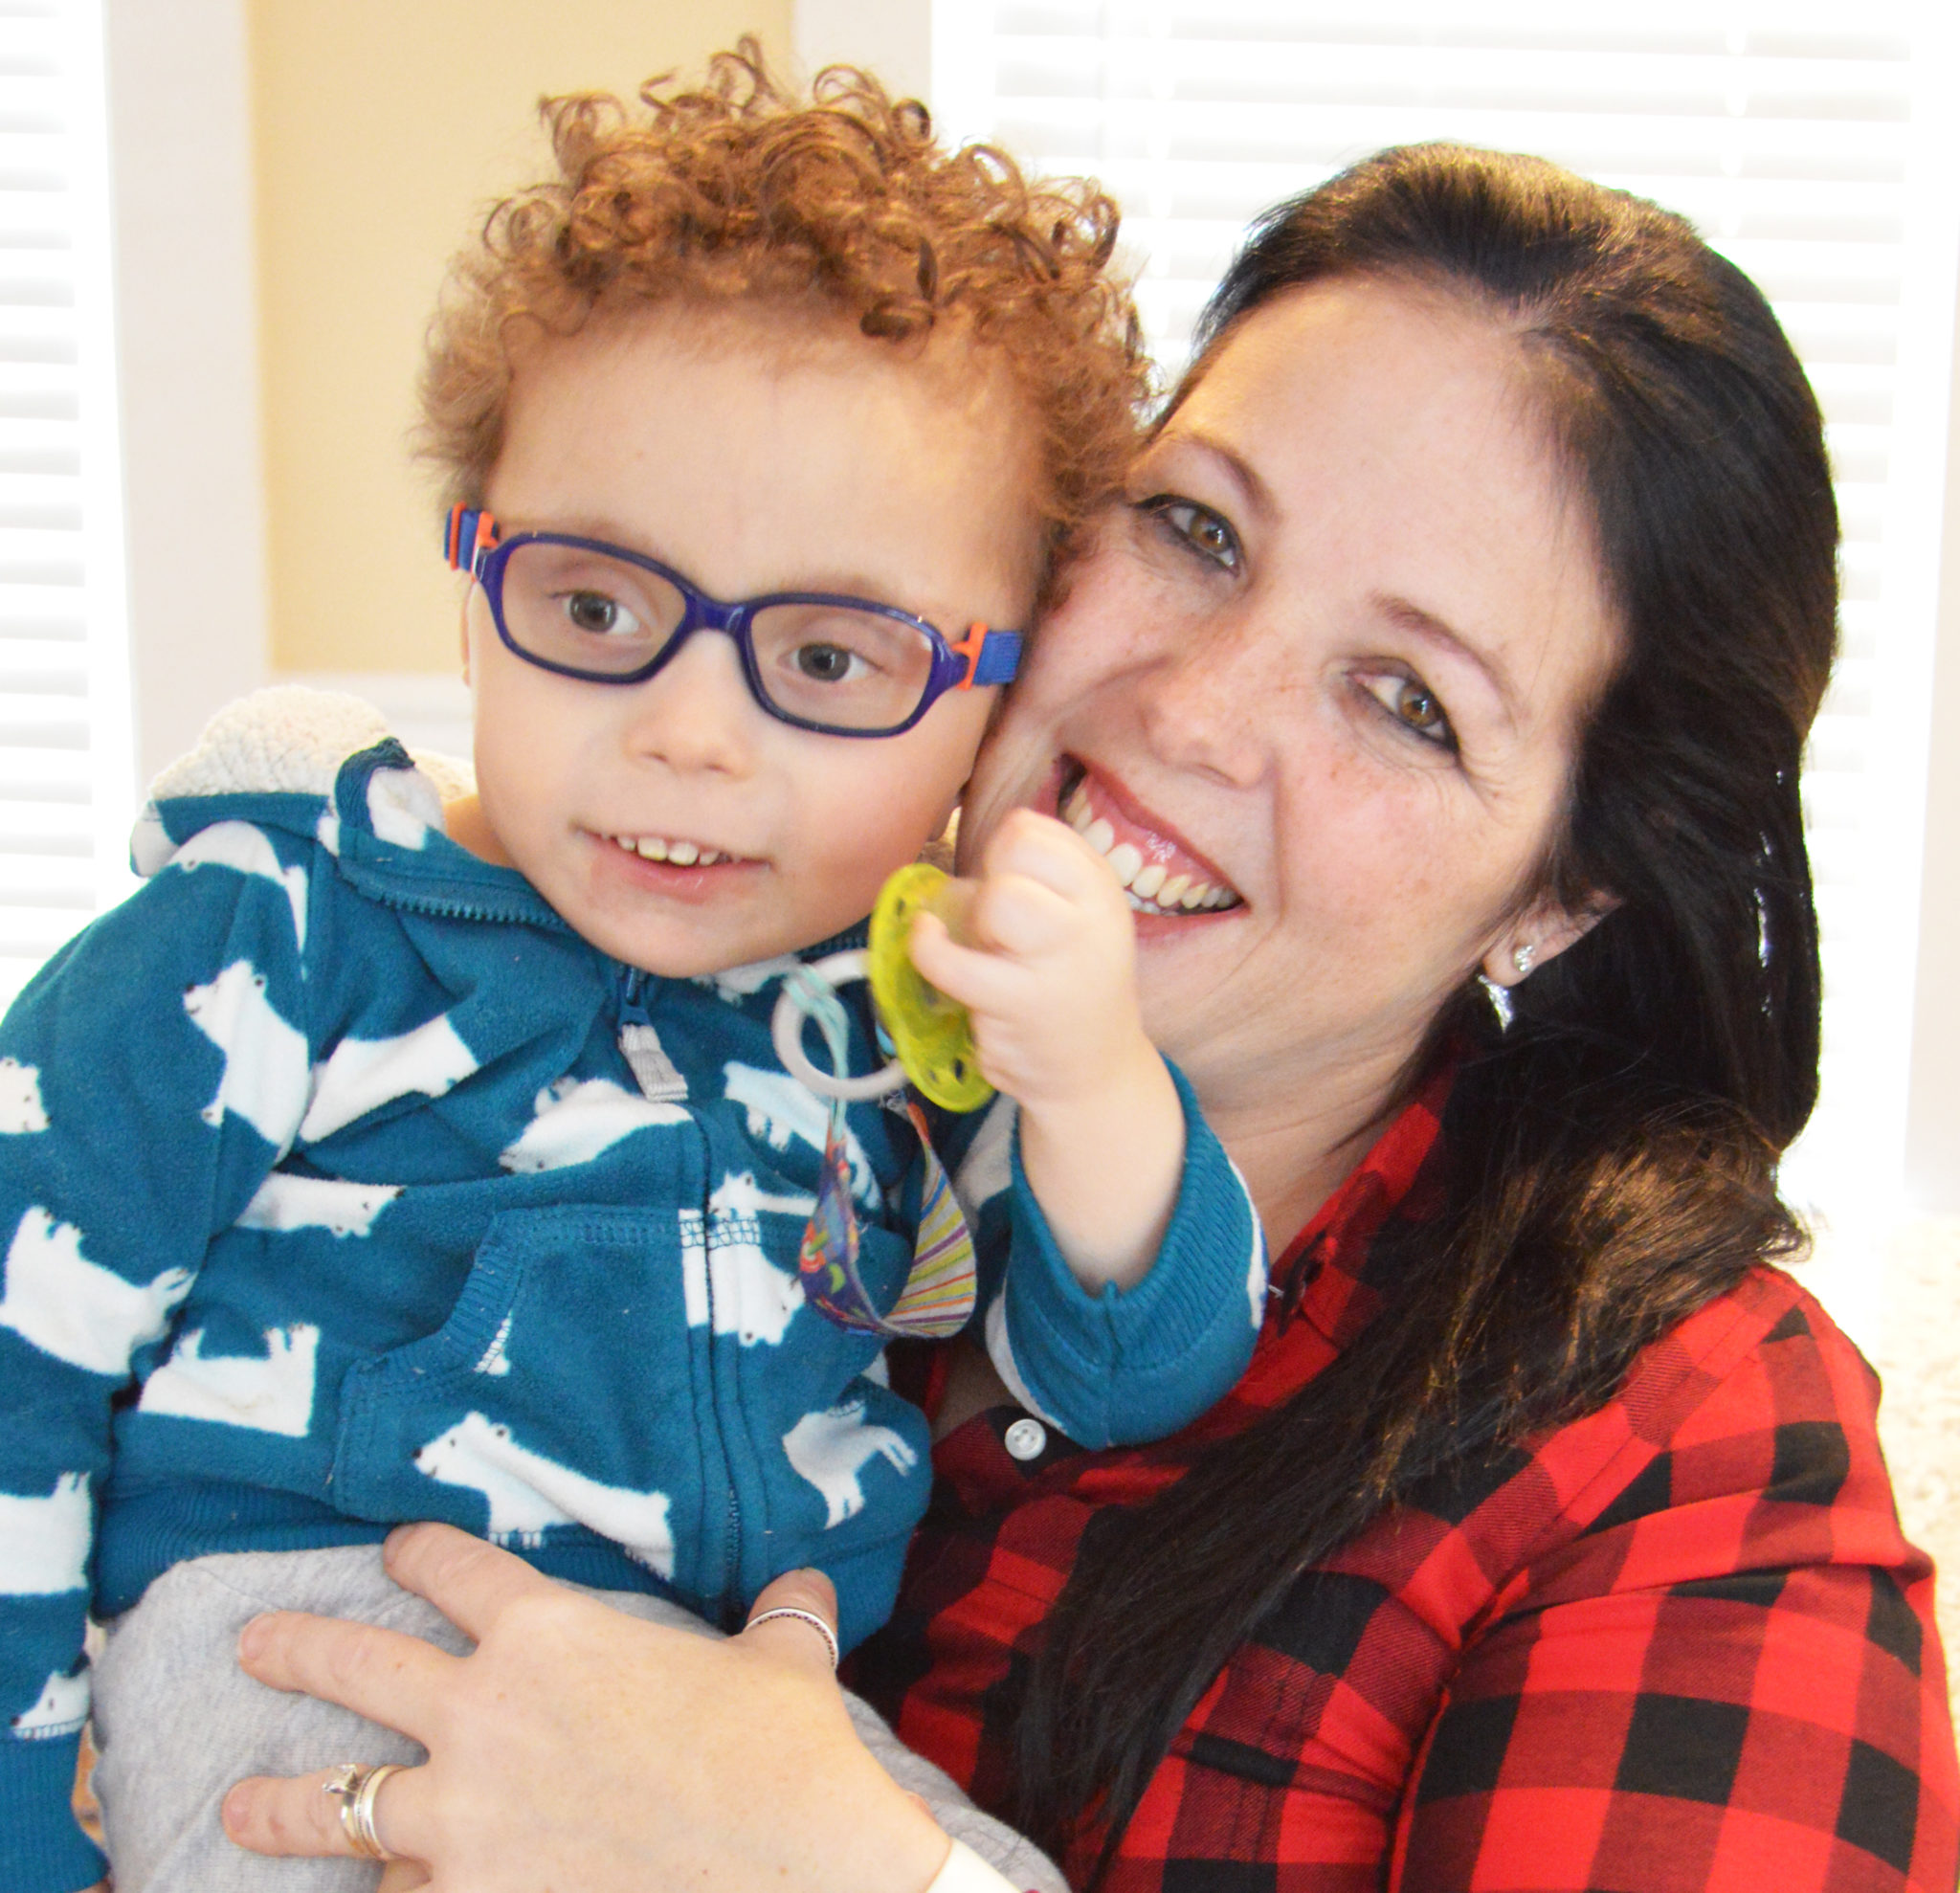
x=677 y=854
x=1150 y=885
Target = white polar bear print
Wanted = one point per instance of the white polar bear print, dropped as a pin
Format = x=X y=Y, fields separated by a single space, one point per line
x=326 y=831
x=779 y=1108
x=269 y=1394
x=267 y=1070
x=528 y=1494
x=61 y=1709
x=735 y=984
x=752 y=1298
x=151 y=846
x=44 y=1542
x=739 y=1195
x=403 y=805
x=285 y=1202
x=576 y=1119
x=247 y=850
x=75 y=1309
x=361 y=1075
x=21 y=1110
x=828 y=1448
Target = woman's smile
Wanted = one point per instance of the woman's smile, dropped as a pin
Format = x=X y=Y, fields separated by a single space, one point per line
x=1160 y=872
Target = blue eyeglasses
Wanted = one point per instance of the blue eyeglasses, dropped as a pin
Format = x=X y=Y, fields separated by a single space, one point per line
x=843 y=666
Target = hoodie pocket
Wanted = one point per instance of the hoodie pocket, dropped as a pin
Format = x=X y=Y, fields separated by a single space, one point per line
x=564 y=1395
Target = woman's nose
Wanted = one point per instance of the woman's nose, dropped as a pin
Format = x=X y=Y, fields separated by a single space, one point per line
x=696 y=713
x=1206 y=702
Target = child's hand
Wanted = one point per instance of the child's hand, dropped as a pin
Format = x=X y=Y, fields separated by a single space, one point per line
x=1045 y=961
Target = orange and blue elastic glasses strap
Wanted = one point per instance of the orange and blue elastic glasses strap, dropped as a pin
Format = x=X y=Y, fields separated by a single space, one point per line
x=468 y=532
x=992 y=656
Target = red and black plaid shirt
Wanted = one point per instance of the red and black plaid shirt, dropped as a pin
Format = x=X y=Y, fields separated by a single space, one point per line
x=1679 y=1644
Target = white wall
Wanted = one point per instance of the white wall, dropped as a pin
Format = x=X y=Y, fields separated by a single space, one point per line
x=187 y=348
x=1932 y=1133
x=891 y=37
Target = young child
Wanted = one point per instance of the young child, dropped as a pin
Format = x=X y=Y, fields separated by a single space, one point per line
x=381 y=1160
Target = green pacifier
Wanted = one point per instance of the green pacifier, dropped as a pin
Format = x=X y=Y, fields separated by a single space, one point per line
x=932 y=1035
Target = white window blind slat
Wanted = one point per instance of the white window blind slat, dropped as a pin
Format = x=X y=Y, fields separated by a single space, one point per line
x=1812 y=149
x=66 y=786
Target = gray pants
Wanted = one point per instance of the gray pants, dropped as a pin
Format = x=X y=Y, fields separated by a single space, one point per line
x=177 y=1723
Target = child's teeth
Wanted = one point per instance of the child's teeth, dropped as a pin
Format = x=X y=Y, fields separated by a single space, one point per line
x=651 y=848
x=682 y=854
x=1123 y=863
x=1147 y=881
x=624 y=841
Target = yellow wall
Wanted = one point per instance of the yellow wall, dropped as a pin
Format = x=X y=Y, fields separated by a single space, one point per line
x=381 y=128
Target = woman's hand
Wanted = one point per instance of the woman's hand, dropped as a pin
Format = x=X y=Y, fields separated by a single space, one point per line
x=578 y=1746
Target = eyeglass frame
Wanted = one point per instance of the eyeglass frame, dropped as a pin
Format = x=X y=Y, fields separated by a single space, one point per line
x=474 y=544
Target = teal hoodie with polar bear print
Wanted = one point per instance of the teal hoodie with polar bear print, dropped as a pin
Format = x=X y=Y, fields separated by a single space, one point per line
x=328 y=1200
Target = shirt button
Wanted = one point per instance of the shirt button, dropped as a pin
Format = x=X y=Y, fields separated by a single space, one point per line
x=1026 y=1439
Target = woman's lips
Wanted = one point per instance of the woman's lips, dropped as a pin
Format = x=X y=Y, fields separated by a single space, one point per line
x=1158 y=872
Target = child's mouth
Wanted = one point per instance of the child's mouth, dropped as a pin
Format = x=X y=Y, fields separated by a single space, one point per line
x=679 y=854
x=1160 y=875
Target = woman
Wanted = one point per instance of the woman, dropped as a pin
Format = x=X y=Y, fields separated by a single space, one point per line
x=1466 y=620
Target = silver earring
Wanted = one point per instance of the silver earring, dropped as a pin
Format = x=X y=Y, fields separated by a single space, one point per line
x=1524 y=958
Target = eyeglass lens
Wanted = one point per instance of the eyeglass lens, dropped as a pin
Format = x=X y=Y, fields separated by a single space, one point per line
x=820 y=663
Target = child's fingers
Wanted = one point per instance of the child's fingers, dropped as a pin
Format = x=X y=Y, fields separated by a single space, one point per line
x=983 y=981
x=1045 y=850
x=1022 y=918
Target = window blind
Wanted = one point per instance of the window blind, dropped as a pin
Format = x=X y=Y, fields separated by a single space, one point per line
x=1810 y=147
x=65 y=764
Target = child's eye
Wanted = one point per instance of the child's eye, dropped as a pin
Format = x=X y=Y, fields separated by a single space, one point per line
x=1413 y=705
x=1197 y=528
x=827 y=663
x=598 y=615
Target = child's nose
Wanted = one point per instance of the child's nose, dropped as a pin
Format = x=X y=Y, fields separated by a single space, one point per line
x=696 y=713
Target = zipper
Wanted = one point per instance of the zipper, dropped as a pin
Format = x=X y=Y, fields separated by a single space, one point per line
x=656 y=1074
x=659 y=1078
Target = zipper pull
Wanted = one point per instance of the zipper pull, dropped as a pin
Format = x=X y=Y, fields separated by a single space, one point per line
x=657 y=1075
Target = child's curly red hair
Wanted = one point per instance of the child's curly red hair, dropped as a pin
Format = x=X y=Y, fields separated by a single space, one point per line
x=738 y=188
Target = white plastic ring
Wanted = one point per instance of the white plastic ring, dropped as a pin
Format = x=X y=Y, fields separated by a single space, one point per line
x=785 y=1028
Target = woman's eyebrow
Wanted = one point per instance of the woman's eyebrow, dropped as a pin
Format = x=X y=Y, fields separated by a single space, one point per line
x=1256 y=495
x=1432 y=629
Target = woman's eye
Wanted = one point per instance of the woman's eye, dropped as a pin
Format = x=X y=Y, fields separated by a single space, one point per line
x=1413 y=706
x=601 y=617
x=1208 y=534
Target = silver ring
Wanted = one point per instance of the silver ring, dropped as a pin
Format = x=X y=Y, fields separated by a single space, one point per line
x=355 y=1785
x=811 y=1618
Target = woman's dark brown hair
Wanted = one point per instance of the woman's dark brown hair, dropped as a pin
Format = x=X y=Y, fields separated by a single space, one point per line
x=1610 y=1153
